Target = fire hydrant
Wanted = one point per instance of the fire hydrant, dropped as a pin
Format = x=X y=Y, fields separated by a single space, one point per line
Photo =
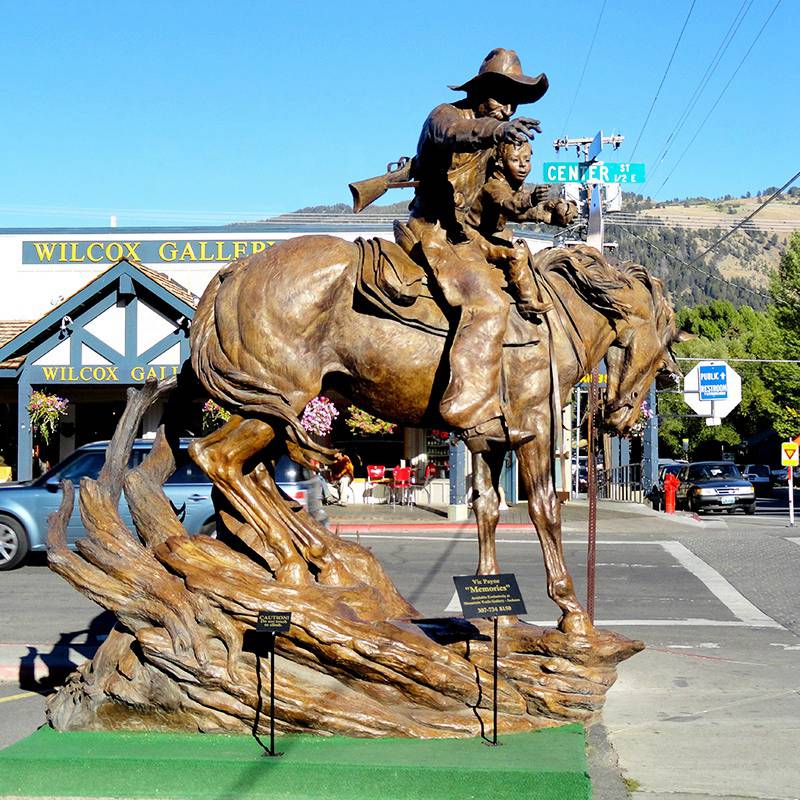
x=671 y=484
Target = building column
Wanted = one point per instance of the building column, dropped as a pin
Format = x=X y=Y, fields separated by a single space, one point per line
x=650 y=445
x=458 y=482
x=24 y=432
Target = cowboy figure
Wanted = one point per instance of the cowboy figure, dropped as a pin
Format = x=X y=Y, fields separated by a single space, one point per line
x=451 y=168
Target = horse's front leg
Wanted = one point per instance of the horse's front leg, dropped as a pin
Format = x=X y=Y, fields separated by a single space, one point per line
x=545 y=513
x=486 y=503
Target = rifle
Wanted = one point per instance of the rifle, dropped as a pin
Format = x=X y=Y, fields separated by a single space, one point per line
x=397 y=176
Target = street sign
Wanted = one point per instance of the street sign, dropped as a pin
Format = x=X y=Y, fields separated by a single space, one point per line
x=712 y=382
x=790 y=454
x=596 y=172
x=712 y=389
x=596 y=147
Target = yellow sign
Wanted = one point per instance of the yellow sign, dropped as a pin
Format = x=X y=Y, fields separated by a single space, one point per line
x=790 y=454
x=172 y=251
x=109 y=374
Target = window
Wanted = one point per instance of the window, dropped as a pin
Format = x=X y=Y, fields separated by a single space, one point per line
x=186 y=470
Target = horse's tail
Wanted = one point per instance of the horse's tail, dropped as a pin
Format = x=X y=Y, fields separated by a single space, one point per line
x=239 y=391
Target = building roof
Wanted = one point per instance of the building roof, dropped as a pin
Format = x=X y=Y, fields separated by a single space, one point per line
x=173 y=287
x=21 y=336
x=10 y=328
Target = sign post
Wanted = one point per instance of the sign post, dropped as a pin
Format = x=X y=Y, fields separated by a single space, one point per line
x=489 y=597
x=271 y=623
x=790 y=458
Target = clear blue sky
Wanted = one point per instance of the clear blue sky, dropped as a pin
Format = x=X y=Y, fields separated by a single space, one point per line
x=166 y=112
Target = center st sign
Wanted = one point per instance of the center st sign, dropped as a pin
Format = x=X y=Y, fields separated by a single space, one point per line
x=596 y=172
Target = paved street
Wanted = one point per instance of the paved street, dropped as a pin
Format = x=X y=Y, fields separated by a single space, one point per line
x=710 y=709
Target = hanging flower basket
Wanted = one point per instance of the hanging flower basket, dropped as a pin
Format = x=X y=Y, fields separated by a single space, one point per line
x=645 y=416
x=362 y=423
x=318 y=416
x=214 y=416
x=45 y=411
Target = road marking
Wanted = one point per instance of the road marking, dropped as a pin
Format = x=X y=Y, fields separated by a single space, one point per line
x=669 y=623
x=748 y=615
x=795 y=539
x=17 y=697
x=738 y=604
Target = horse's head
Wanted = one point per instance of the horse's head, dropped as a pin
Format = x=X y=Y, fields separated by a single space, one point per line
x=641 y=349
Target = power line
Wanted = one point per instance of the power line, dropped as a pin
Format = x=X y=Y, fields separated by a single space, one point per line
x=738 y=286
x=692 y=264
x=663 y=78
x=585 y=64
x=749 y=216
x=740 y=360
x=721 y=94
x=701 y=85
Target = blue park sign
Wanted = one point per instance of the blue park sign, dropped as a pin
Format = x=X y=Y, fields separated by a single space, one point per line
x=595 y=172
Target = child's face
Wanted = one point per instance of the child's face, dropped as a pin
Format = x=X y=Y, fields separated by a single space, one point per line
x=517 y=162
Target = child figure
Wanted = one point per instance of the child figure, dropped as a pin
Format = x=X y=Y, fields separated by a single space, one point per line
x=503 y=198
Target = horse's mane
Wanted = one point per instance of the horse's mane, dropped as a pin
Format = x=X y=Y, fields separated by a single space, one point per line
x=596 y=280
x=590 y=275
x=664 y=315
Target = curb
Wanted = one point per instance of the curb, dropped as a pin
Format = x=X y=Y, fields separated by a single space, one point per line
x=396 y=527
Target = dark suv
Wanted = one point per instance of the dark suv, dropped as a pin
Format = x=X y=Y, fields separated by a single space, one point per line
x=25 y=506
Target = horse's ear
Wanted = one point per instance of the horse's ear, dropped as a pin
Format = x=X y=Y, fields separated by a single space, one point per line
x=683 y=336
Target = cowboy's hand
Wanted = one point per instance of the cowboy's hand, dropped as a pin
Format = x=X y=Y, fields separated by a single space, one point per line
x=517 y=131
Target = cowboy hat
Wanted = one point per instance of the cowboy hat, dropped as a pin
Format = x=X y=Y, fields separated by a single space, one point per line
x=501 y=73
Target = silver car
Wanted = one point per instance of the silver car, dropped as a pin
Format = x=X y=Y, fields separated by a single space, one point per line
x=25 y=506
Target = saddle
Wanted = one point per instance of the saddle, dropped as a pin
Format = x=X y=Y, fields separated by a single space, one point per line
x=397 y=286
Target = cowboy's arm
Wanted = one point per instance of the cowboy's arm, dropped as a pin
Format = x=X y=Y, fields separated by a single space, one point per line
x=448 y=129
x=552 y=212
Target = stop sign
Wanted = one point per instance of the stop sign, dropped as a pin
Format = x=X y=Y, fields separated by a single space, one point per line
x=712 y=389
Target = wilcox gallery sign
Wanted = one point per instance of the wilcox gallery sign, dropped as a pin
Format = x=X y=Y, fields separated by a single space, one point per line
x=148 y=251
x=110 y=373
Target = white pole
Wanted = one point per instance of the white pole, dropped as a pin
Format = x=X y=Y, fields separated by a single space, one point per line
x=791 y=497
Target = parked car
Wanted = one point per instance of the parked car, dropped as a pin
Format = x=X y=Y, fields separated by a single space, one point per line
x=780 y=476
x=760 y=476
x=25 y=506
x=714 y=485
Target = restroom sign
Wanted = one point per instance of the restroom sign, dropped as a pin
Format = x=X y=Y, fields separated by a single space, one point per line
x=712 y=389
x=712 y=382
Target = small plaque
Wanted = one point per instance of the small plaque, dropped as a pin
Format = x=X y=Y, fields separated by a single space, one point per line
x=273 y=621
x=489 y=595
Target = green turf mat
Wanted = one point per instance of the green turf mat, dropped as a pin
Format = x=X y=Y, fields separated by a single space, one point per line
x=548 y=764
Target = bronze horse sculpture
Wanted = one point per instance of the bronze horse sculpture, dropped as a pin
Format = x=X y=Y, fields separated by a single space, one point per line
x=274 y=330
x=270 y=333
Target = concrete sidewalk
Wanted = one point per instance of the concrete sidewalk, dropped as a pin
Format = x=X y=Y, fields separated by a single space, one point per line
x=382 y=516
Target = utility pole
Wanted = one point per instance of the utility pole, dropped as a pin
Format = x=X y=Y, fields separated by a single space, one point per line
x=589 y=148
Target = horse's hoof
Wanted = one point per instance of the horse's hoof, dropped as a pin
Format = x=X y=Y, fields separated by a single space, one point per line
x=576 y=623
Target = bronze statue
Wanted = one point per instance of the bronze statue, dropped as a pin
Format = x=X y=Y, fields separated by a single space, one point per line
x=271 y=332
x=450 y=168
